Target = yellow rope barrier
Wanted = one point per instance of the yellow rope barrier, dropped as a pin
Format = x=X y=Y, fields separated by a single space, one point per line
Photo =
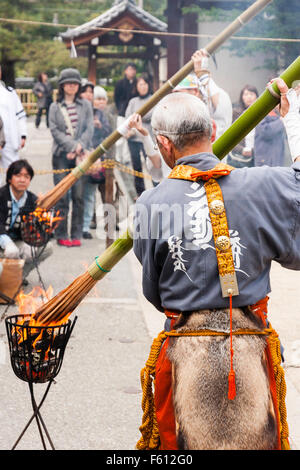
x=105 y=164
x=140 y=31
x=150 y=439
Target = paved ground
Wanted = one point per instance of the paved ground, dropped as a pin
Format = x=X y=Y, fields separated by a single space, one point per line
x=96 y=401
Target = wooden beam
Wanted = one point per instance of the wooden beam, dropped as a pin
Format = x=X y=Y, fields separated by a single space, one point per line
x=173 y=42
x=190 y=26
x=155 y=65
x=128 y=55
x=92 y=65
x=112 y=39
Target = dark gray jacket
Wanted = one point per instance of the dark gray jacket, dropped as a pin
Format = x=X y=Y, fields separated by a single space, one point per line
x=269 y=141
x=174 y=239
x=63 y=143
x=46 y=90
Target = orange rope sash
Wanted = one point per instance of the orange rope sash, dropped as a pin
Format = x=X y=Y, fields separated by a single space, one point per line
x=190 y=173
x=221 y=236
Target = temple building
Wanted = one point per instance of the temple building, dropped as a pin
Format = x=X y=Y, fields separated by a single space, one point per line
x=109 y=29
x=165 y=53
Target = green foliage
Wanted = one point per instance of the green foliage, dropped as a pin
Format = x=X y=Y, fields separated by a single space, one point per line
x=29 y=49
x=280 y=19
x=50 y=57
x=156 y=8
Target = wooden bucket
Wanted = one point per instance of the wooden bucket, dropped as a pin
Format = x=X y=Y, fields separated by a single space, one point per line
x=11 y=277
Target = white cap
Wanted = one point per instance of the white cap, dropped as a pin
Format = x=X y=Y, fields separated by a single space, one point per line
x=99 y=92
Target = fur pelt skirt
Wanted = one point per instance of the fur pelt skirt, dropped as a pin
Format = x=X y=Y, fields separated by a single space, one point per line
x=191 y=381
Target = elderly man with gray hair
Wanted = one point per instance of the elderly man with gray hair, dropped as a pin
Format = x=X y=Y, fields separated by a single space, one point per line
x=206 y=237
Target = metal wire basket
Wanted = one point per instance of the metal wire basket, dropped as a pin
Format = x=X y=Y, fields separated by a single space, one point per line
x=36 y=352
x=37 y=227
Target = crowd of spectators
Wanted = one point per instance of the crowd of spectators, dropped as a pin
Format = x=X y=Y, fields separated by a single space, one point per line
x=82 y=116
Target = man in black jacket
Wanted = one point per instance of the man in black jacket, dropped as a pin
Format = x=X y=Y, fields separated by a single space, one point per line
x=15 y=201
x=125 y=89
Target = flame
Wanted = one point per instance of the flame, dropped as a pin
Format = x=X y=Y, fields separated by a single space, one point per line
x=40 y=222
x=41 y=339
x=29 y=303
x=48 y=219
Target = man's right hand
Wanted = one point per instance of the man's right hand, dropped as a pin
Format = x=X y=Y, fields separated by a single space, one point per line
x=289 y=111
x=71 y=155
x=284 y=102
x=135 y=122
x=200 y=60
x=11 y=250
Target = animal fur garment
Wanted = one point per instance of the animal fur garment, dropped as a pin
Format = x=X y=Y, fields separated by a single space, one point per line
x=205 y=418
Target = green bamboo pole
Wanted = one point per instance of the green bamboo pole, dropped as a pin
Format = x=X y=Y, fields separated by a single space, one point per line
x=50 y=199
x=111 y=256
x=255 y=113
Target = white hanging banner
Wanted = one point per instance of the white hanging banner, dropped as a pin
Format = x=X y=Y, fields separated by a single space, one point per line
x=73 y=52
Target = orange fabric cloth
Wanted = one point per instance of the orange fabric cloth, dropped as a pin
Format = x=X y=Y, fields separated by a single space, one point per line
x=163 y=399
x=261 y=310
x=207 y=175
x=163 y=387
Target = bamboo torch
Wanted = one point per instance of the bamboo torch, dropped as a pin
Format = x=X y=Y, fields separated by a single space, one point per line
x=62 y=305
x=58 y=309
x=51 y=197
x=255 y=113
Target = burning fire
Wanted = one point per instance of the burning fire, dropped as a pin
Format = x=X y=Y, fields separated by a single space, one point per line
x=29 y=303
x=34 y=338
x=48 y=218
x=38 y=225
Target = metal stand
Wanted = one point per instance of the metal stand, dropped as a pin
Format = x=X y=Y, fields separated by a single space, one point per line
x=8 y=300
x=39 y=420
x=36 y=354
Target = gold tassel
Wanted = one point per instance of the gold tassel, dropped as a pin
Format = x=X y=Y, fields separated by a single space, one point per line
x=150 y=439
x=274 y=345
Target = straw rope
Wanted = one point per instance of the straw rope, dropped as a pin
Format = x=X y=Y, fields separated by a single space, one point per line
x=150 y=439
x=105 y=164
x=274 y=345
x=151 y=33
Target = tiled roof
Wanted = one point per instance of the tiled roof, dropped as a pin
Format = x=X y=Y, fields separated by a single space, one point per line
x=117 y=9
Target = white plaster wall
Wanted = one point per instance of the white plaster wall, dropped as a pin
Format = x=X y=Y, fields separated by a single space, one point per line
x=163 y=66
x=232 y=72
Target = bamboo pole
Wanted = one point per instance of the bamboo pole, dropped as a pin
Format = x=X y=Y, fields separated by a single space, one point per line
x=109 y=188
x=255 y=113
x=60 y=307
x=50 y=199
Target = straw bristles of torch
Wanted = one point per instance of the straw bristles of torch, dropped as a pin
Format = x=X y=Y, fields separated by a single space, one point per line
x=49 y=200
x=59 y=308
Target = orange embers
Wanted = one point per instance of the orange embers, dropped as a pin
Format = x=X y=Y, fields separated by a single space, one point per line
x=48 y=218
x=35 y=347
x=38 y=225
